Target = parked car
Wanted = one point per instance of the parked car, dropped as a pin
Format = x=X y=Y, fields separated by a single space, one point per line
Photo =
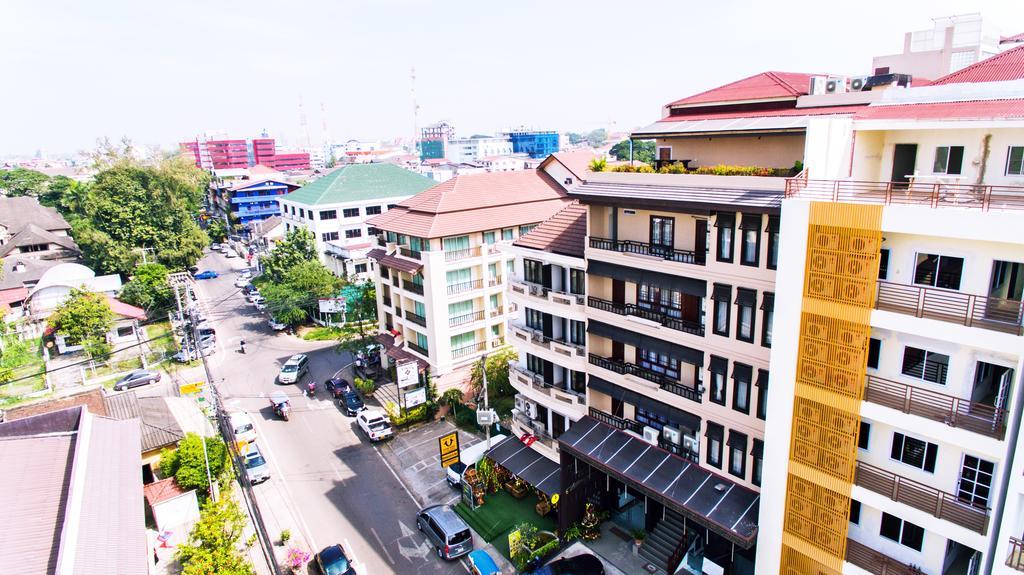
x=468 y=457
x=260 y=303
x=445 y=530
x=276 y=325
x=351 y=403
x=256 y=467
x=241 y=282
x=480 y=563
x=206 y=275
x=207 y=346
x=230 y=253
x=241 y=425
x=248 y=289
x=337 y=387
x=333 y=561
x=375 y=424
x=137 y=378
x=252 y=295
x=215 y=247
x=585 y=564
x=294 y=369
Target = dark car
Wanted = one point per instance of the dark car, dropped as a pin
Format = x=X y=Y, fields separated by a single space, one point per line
x=208 y=274
x=333 y=561
x=337 y=386
x=137 y=378
x=351 y=403
x=585 y=564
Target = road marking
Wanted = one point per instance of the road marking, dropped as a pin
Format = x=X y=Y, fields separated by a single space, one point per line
x=397 y=478
x=288 y=495
x=421 y=549
x=382 y=546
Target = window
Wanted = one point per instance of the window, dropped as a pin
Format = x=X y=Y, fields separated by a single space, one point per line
x=938 y=271
x=768 y=308
x=302 y=212
x=975 y=480
x=492 y=272
x=1015 y=161
x=714 y=434
x=662 y=234
x=914 y=452
x=874 y=350
x=883 y=264
x=350 y=212
x=287 y=227
x=534 y=319
x=372 y=231
x=360 y=268
x=948 y=159
x=458 y=277
x=737 y=454
x=741 y=374
x=534 y=363
x=661 y=300
x=758 y=457
x=724 y=223
x=745 y=300
x=495 y=304
x=391 y=206
x=577 y=281
x=329 y=236
x=489 y=238
x=125 y=331
x=854 y=511
x=722 y=296
x=507 y=233
x=510 y=266
x=718 y=368
x=762 y=394
x=463 y=340
x=750 y=248
x=773 y=242
x=421 y=340
x=903 y=532
x=354 y=233
x=456 y=243
x=578 y=381
x=523 y=230
x=372 y=210
x=864 y=437
x=925 y=365
x=533 y=271
x=658 y=363
x=578 y=332
x=329 y=214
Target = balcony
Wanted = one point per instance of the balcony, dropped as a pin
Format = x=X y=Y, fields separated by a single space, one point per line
x=416 y=318
x=638 y=428
x=537 y=337
x=463 y=287
x=535 y=428
x=493 y=282
x=410 y=253
x=469 y=350
x=456 y=255
x=1016 y=557
x=920 y=496
x=414 y=288
x=955 y=412
x=664 y=382
x=644 y=313
x=931 y=195
x=420 y=350
x=527 y=378
x=546 y=294
x=996 y=314
x=646 y=249
x=875 y=562
x=466 y=318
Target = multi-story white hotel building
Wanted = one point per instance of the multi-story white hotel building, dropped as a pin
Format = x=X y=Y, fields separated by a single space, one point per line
x=337 y=206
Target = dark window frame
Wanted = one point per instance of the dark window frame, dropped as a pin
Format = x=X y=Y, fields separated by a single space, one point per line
x=354 y=233
x=874 y=352
x=721 y=307
x=952 y=158
x=940 y=275
x=725 y=231
x=533 y=271
x=1012 y=170
x=756 y=230
x=773 y=243
x=901 y=531
x=907 y=449
x=910 y=366
x=854 y=511
x=328 y=214
x=742 y=449
x=883 y=263
x=662 y=223
x=717 y=433
x=864 y=435
x=736 y=396
x=373 y=210
x=719 y=380
x=350 y=213
x=739 y=315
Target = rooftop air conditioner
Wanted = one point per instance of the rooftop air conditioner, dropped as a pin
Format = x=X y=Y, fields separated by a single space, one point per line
x=858 y=83
x=651 y=435
x=835 y=85
x=520 y=403
x=817 y=85
x=691 y=444
x=671 y=434
x=531 y=409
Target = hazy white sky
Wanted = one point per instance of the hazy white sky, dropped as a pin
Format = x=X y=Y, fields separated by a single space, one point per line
x=160 y=72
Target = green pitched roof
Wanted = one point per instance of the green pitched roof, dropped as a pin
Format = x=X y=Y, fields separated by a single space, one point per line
x=357 y=182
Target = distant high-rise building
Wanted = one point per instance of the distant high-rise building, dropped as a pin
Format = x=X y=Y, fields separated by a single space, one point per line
x=538 y=144
x=434 y=139
x=223 y=153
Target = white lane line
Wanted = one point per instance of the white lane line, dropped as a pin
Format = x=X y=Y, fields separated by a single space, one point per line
x=288 y=495
x=382 y=546
x=397 y=478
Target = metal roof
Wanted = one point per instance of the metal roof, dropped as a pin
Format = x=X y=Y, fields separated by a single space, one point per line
x=685 y=191
x=528 y=465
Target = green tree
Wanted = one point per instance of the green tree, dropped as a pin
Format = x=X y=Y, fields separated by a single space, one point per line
x=298 y=246
x=22 y=182
x=597 y=137
x=643 y=151
x=361 y=302
x=294 y=297
x=148 y=288
x=217 y=230
x=575 y=138
x=66 y=195
x=187 y=464
x=598 y=165
x=85 y=318
x=498 y=383
x=213 y=545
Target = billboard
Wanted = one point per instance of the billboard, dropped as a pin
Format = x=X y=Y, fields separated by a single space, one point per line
x=415 y=397
x=408 y=374
x=332 y=305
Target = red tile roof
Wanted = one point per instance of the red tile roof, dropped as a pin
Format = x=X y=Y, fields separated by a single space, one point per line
x=162 y=491
x=563 y=233
x=122 y=309
x=763 y=86
x=1012 y=39
x=1008 y=65
x=576 y=161
x=475 y=202
x=969 y=110
x=819 y=111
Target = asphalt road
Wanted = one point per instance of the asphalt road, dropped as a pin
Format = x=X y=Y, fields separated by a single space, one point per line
x=340 y=487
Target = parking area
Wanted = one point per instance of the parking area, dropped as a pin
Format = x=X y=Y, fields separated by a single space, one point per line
x=415 y=455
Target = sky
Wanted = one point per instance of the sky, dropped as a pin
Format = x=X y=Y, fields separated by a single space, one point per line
x=163 y=72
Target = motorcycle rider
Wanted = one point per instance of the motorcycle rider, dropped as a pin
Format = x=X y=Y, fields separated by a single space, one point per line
x=241 y=346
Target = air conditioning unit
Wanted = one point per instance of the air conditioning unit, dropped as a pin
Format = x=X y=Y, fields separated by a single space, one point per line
x=539 y=428
x=835 y=85
x=651 y=435
x=817 y=85
x=520 y=403
x=531 y=409
x=858 y=83
x=691 y=443
x=671 y=434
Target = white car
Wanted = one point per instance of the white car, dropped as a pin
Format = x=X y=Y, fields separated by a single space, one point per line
x=375 y=424
x=215 y=247
x=251 y=296
x=230 y=253
x=293 y=369
x=241 y=424
x=276 y=325
x=260 y=303
x=208 y=345
x=255 y=465
x=241 y=282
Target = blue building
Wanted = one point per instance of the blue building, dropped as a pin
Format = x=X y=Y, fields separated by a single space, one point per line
x=536 y=144
x=256 y=200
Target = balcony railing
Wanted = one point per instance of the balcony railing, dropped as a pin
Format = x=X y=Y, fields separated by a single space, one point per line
x=875 y=562
x=416 y=318
x=666 y=383
x=920 y=496
x=469 y=349
x=933 y=195
x=455 y=255
x=1016 y=557
x=537 y=336
x=466 y=318
x=616 y=422
x=953 y=411
x=494 y=281
x=420 y=350
x=997 y=314
x=632 y=309
x=646 y=249
x=410 y=253
x=537 y=290
x=465 y=286
x=414 y=288
x=537 y=429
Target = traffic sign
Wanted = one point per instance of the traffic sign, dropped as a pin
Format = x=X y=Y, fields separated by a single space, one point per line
x=449 y=447
x=191 y=388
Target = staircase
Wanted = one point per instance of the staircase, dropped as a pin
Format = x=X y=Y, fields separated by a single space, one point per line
x=660 y=543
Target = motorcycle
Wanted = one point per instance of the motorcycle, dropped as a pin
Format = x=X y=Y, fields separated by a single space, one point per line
x=241 y=346
x=279 y=403
x=311 y=388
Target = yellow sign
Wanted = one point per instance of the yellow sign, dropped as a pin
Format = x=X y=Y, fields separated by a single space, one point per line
x=554 y=499
x=191 y=388
x=449 y=446
x=515 y=541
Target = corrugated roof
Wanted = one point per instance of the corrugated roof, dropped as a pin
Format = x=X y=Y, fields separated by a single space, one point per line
x=763 y=86
x=1008 y=65
x=125 y=310
x=395 y=262
x=162 y=490
x=1015 y=39
x=967 y=110
x=241 y=185
x=92 y=399
x=31 y=234
x=563 y=233
x=475 y=202
x=158 y=426
x=684 y=191
x=357 y=182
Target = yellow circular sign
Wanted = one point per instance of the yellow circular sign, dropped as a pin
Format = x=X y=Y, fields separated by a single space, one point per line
x=554 y=499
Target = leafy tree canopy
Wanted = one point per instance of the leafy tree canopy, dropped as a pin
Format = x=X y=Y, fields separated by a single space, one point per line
x=643 y=151
x=597 y=137
x=294 y=298
x=217 y=230
x=497 y=372
x=22 y=182
x=187 y=464
x=148 y=288
x=84 y=317
x=298 y=246
x=213 y=544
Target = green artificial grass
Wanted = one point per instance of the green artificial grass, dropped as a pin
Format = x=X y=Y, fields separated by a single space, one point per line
x=499 y=515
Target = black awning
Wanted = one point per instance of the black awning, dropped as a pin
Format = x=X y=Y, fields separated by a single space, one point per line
x=758 y=449
x=722 y=292
x=614 y=271
x=611 y=332
x=773 y=224
x=737 y=440
x=762 y=379
x=742 y=371
x=718 y=365
x=527 y=464
x=686 y=285
x=751 y=222
x=768 y=301
x=746 y=297
x=682 y=418
x=714 y=501
x=725 y=220
x=714 y=430
x=628 y=337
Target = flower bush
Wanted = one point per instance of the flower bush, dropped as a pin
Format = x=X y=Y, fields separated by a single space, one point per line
x=296 y=558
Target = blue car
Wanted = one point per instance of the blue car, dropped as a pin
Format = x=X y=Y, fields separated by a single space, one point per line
x=333 y=561
x=207 y=275
x=482 y=564
x=585 y=564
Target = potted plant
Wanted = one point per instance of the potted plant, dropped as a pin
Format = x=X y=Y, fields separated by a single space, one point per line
x=638 y=536
x=517 y=487
x=296 y=559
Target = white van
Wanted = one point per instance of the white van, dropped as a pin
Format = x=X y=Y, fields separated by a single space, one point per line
x=241 y=424
x=468 y=458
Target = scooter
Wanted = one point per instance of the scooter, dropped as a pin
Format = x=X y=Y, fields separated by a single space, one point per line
x=311 y=388
x=241 y=346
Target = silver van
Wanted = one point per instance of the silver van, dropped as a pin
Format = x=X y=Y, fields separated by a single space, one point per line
x=445 y=530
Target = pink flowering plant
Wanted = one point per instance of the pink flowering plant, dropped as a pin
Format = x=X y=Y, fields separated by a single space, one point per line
x=296 y=558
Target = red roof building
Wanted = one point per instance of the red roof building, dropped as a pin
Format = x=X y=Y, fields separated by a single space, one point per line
x=759 y=87
x=1008 y=65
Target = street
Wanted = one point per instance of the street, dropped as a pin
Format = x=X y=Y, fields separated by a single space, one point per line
x=339 y=486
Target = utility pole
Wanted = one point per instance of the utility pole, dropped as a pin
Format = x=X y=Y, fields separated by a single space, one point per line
x=181 y=318
x=213 y=394
x=483 y=374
